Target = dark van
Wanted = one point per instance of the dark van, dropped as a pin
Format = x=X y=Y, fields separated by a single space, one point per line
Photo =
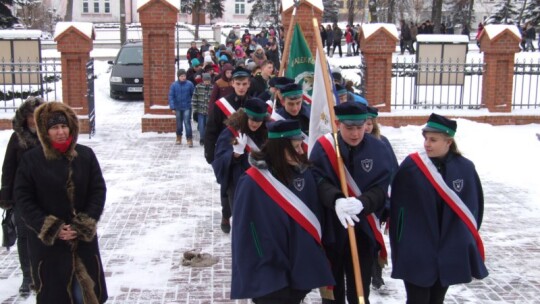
x=127 y=71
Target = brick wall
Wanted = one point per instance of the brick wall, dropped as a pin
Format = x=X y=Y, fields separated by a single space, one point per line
x=304 y=17
x=159 y=124
x=498 y=77
x=158 y=19
x=75 y=49
x=496 y=120
x=377 y=50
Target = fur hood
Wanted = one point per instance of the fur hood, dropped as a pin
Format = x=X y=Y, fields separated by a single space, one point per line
x=42 y=115
x=27 y=138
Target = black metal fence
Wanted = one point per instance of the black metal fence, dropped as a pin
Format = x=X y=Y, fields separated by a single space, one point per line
x=436 y=85
x=526 y=93
x=29 y=77
x=457 y=85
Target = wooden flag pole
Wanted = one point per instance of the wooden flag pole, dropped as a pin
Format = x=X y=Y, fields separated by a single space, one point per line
x=342 y=179
x=287 y=47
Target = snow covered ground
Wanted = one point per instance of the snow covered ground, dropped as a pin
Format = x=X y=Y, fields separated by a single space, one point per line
x=162 y=200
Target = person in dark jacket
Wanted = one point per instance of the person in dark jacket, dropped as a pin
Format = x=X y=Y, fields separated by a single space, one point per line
x=272 y=53
x=366 y=160
x=329 y=40
x=372 y=127
x=292 y=106
x=245 y=132
x=277 y=254
x=222 y=87
x=22 y=140
x=259 y=83
x=322 y=32
x=61 y=192
x=180 y=94
x=338 y=35
x=223 y=108
x=193 y=53
x=436 y=210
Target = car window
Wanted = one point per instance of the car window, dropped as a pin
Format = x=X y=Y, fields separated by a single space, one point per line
x=130 y=56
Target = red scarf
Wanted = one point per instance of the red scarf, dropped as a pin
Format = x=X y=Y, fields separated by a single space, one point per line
x=62 y=147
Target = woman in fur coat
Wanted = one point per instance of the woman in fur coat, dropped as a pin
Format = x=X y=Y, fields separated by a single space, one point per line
x=61 y=192
x=22 y=140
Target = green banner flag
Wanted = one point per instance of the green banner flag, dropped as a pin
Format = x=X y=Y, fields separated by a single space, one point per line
x=301 y=64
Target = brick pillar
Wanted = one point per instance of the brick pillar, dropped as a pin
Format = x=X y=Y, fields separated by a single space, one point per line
x=378 y=42
x=304 y=16
x=499 y=43
x=74 y=42
x=158 y=19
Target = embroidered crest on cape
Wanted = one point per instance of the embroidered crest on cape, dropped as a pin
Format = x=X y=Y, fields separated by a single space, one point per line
x=298 y=184
x=367 y=164
x=458 y=185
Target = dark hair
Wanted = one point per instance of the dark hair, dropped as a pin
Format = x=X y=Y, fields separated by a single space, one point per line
x=239 y=121
x=273 y=152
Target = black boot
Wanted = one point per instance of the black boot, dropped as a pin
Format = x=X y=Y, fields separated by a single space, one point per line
x=25 y=286
x=225 y=225
x=24 y=258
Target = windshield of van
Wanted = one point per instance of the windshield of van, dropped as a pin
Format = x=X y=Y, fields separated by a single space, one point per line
x=130 y=56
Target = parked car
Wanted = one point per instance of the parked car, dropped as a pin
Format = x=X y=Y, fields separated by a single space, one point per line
x=127 y=71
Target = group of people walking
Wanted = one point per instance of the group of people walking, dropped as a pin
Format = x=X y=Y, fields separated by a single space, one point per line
x=288 y=211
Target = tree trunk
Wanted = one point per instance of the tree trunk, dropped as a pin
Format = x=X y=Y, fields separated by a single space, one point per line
x=372 y=4
x=123 y=34
x=196 y=19
x=350 y=7
x=521 y=12
x=391 y=9
x=69 y=11
x=436 y=15
x=469 y=18
x=506 y=11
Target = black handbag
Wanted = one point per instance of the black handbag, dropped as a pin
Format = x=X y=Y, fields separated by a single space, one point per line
x=9 y=234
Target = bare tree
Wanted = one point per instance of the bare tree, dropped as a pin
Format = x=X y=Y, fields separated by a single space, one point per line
x=436 y=15
x=69 y=11
x=391 y=9
x=351 y=8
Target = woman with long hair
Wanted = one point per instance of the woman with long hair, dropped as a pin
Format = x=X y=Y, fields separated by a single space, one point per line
x=245 y=132
x=436 y=210
x=277 y=253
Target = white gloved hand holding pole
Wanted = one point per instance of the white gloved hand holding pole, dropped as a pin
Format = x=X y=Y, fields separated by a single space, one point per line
x=347 y=210
x=240 y=145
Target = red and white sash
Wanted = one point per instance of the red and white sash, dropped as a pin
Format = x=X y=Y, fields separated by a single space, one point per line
x=225 y=106
x=327 y=143
x=288 y=201
x=449 y=196
x=306 y=99
x=275 y=117
x=250 y=146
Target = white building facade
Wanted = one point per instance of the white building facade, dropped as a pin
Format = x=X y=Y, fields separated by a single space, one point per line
x=236 y=11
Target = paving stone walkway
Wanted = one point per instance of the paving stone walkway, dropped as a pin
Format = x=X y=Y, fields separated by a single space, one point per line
x=163 y=200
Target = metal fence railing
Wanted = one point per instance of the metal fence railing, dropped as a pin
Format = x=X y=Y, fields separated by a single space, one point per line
x=29 y=77
x=436 y=85
x=526 y=94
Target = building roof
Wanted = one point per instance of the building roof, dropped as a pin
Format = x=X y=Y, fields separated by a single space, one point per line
x=287 y=4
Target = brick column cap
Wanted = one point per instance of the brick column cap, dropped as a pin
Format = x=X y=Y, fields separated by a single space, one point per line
x=495 y=32
x=84 y=29
x=372 y=31
x=144 y=4
x=288 y=5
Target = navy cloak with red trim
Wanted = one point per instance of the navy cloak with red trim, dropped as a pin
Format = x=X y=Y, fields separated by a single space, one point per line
x=271 y=251
x=370 y=165
x=429 y=241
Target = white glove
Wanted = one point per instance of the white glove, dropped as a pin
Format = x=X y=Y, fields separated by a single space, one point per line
x=240 y=145
x=347 y=210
